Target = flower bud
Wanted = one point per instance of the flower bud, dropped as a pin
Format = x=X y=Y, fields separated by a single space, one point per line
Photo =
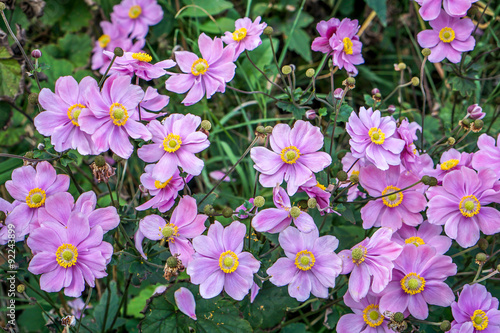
x=100 y=161
x=426 y=52
x=481 y=258
x=206 y=125
x=401 y=66
x=415 y=81
x=117 y=158
x=286 y=69
x=426 y=180
x=451 y=141
x=433 y=181
x=465 y=123
x=268 y=30
x=311 y=203
x=342 y=175
x=118 y=51
x=295 y=211
x=29 y=154
x=41 y=146
x=227 y=212
x=482 y=244
x=477 y=125
x=184 y=300
x=269 y=129
x=354 y=178
x=259 y=201
x=310 y=72
x=338 y=93
x=261 y=129
x=21 y=288
x=391 y=109
x=399 y=317
x=475 y=112
x=375 y=91
x=350 y=82
x=33 y=98
x=377 y=97
x=36 y=53
x=172 y=262
x=209 y=210
x=311 y=114
x=445 y=324
x=2 y=6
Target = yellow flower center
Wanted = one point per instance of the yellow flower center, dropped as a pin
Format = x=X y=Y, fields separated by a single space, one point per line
x=141 y=56
x=469 y=206
x=377 y=136
x=417 y=241
x=447 y=35
x=160 y=185
x=118 y=114
x=372 y=316
x=358 y=254
x=169 y=231
x=228 y=261
x=172 y=143
x=394 y=199
x=479 y=320
x=304 y=260
x=200 y=66
x=104 y=40
x=413 y=283
x=290 y=155
x=239 y=34
x=321 y=186
x=74 y=112
x=347 y=45
x=36 y=198
x=66 y=255
x=450 y=164
x=134 y=11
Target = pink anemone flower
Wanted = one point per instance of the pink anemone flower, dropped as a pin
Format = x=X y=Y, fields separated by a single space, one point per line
x=246 y=35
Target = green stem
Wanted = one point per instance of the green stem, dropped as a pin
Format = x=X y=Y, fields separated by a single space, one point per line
x=287 y=42
x=464 y=251
x=106 y=73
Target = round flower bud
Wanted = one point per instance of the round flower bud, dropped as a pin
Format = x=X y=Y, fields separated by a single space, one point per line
x=399 y=317
x=41 y=146
x=466 y=123
x=311 y=203
x=338 y=93
x=342 y=175
x=375 y=91
x=351 y=81
x=415 y=81
x=36 y=53
x=478 y=124
x=261 y=129
x=445 y=324
x=21 y=288
x=401 y=66
x=451 y=141
x=433 y=181
x=426 y=180
x=268 y=30
x=117 y=158
x=172 y=262
x=29 y=154
x=269 y=129
x=295 y=212
x=310 y=72
x=391 y=109
x=118 y=51
x=206 y=125
x=209 y=210
x=377 y=97
x=33 y=98
x=227 y=212
x=311 y=114
x=426 y=52
x=481 y=257
x=286 y=69
x=475 y=112
x=482 y=244
x=100 y=161
x=354 y=178
x=259 y=201
x=2 y=6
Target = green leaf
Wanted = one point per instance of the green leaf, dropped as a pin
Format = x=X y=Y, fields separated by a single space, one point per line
x=261 y=56
x=344 y=113
x=380 y=7
x=349 y=215
x=300 y=42
x=72 y=17
x=219 y=26
x=112 y=307
x=10 y=74
x=298 y=113
x=136 y=304
x=213 y=7
x=464 y=86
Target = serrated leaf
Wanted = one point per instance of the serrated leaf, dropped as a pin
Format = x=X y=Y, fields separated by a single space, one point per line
x=380 y=7
x=298 y=113
x=300 y=42
x=344 y=113
x=10 y=75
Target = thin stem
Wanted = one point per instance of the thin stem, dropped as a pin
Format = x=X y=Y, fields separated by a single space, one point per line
x=70 y=173
x=29 y=159
x=111 y=195
x=479 y=268
x=464 y=251
x=394 y=91
x=262 y=72
x=486 y=277
x=390 y=193
x=422 y=68
x=252 y=92
x=84 y=307
x=106 y=73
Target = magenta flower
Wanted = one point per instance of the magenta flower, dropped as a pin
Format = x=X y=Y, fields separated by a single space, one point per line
x=139 y=64
x=136 y=16
x=488 y=155
x=476 y=311
x=366 y=318
x=373 y=257
x=373 y=137
x=185 y=223
x=153 y=101
x=203 y=76
x=310 y=265
x=460 y=204
x=246 y=35
x=67 y=257
x=431 y=8
x=474 y=112
x=353 y=166
x=396 y=209
x=6 y=207
x=59 y=206
x=60 y=120
x=163 y=193
x=113 y=115
x=408 y=133
x=184 y=300
x=219 y=263
x=274 y=220
x=449 y=38
x=318 y=191
x=451 y=160
x=31 y=188
x=175 y=143
x=326 y=30
x=422 y=166
x=427 y=233
x=294 y=156
x=417 y=280
x=346 y=46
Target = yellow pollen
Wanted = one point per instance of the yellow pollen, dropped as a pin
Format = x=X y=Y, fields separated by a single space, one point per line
x=394 y=199
x=417 y=241
x=169 y=231
x=74 y=112
x=479 y=320
x=66 y=255
x=239 y=34
x=118 y=114
x=172 y=143
x=450 y=164
x=134 y=11
x=355 y=172
x=199 y=67
x=321 y=186
x=304 y=260
x=469 y=206
x=290 y=155
x=358 y=254
x=141 y=56
x=228 y=262
x=447 y=35
x=372 y=316
x=160 y=185
x=413 y=283
x=104 y=40
x=347 y=45
x=36 y=198
x=377 y=136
